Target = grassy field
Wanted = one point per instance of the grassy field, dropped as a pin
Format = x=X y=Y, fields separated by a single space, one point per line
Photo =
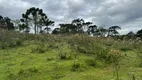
x=68 y=58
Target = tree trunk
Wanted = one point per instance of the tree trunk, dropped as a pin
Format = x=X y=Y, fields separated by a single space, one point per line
x=35 y=24
x=35 y=28
x=117 y=74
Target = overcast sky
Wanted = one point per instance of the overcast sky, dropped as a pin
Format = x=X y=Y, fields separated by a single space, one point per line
x=125 y=13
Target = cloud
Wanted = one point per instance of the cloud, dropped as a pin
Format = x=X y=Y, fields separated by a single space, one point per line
x=125 y=13
x=13 y=8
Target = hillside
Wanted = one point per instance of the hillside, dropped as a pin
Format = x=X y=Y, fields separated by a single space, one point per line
x=74 y=57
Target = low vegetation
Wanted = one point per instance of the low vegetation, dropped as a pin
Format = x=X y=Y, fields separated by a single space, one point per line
x=81 y=57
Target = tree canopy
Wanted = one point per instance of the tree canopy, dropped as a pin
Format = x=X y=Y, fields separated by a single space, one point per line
x=36 y=18
x=139 y=33
x=6 y=23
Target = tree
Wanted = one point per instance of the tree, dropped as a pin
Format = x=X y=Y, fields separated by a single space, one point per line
x=25 y=23
x=1 y=20
x=47 y=29
x=16 y=24
x=86 y=26
x=24 y=28
x=78 y=24
x=36 y=18
x=113 y=30
x=92 y=30
x=47 y=24
x=9 y=24
x=68 y=28
x=139 y=33
x=131 y=34
x=102 y=31
x=6 y=23
x=56 y=31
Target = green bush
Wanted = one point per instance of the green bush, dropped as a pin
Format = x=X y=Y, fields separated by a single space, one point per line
x=65 y=56
x=89 y=46
x=101 y=52
x=94 y=63
x=39 y=48
x=21 y=72
x=115 y=57
x=57 y=73
x=139 y=54
x=10 y=43
x=91 y=62
x=10 y=39
x=76 y=66
x=33 y=70
x=50 y=58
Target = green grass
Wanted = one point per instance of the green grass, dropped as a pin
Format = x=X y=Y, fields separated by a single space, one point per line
x=49 y=57
x=20 y=64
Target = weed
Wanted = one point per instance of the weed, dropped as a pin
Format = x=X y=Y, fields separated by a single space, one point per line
x=39 y=48
x=115 y=57
x=91 y=62
x=50 y=58
x=33 y=70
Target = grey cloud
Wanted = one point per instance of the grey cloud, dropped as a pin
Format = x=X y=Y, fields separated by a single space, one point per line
x=112 y=12
x=102 y=12
x=13 y=9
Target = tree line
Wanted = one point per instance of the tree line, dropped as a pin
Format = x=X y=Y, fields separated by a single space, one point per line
x=35 y=19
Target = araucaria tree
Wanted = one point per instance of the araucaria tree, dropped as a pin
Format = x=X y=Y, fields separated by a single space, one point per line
x=6 y=23
x=113 y=30
x=34 y=17
x=139 y=33
x=76 y=26
x=102 y=31
x=92 y=30
x=78 y=23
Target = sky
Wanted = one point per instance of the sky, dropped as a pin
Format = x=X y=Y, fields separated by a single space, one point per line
x=124 y=13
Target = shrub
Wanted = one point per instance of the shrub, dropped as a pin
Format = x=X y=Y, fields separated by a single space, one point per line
x=76 y=66
x=39 y=48
x=21 y=71
x=9 y=39
x=57 y=72
x=33 y=70
x=64 y=51
x=115 y=58
x=125 y=45
x=94 y=63
x=91 y=62
x=89 y=46
x=11 y=43
x=65 y=56
x=79 y=66
x=50 y=58
x=101 y=52
x=11 y=76
x=81 y=44
x=139 y=54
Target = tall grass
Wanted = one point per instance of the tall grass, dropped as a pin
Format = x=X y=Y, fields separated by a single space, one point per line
x=68 y=46
x=9 y=39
